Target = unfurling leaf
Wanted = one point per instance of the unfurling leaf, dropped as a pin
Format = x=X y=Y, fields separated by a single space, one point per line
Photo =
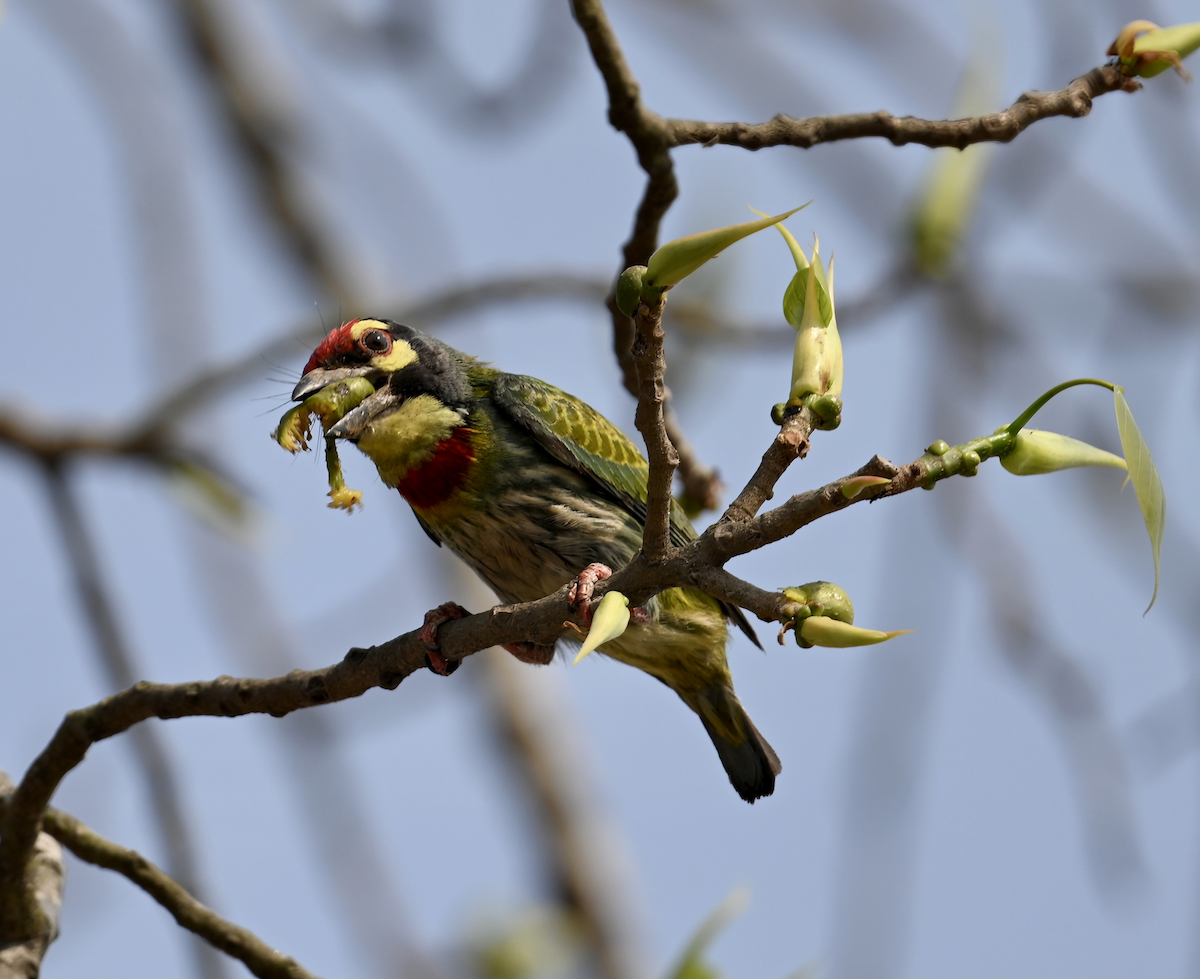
x=609 y=622
x=1145 y=49
x=678 y=259
x=1035 y=452
x=1146 y=482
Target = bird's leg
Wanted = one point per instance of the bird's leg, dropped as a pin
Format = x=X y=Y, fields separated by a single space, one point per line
x=531 y=652
x=428 y=635
x=580 y=593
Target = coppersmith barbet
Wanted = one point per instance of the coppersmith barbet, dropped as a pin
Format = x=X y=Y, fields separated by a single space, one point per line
x=530 y=486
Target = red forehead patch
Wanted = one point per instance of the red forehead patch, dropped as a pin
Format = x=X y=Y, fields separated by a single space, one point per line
x=337 y=344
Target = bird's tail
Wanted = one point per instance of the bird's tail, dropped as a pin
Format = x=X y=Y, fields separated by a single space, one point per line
x=749 y=761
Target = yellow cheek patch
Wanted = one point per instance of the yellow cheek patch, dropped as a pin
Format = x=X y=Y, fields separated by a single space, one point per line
x=399 y=357
x=403 y=439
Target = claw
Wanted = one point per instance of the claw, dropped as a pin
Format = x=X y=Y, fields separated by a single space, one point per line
x=428 y=635
x=580 y=593
x=531 y=652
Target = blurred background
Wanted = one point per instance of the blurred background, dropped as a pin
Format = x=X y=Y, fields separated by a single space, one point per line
x=192 y=192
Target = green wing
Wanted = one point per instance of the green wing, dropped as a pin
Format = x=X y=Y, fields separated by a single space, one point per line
x=582 y=439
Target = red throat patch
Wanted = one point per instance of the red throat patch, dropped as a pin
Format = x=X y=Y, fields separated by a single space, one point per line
x=336 y=344
x=436 y=480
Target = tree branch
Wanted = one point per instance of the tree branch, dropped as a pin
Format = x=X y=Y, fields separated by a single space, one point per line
x=542 y=621
x=46 y=877
x=652 y=395
x=1074 y=101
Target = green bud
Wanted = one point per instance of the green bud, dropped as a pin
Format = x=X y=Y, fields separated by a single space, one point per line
x=819 y=630
x=609 y=622
x=817 y=366
x=629 y=289
x=1145 y=49
x=678 y=259
x=828 y=410
x=938 y=448
x=779 y=413
x=823 y=598
x=1035 y=452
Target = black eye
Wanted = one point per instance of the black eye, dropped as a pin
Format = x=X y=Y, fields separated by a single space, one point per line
x=376 y=341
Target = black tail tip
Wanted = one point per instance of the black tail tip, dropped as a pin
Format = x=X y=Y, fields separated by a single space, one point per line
x=751 y=765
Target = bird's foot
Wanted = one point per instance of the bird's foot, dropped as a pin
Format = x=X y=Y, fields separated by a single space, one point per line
x=428 y=635
x=639 y=615
x=531 y=652
x=580 y=593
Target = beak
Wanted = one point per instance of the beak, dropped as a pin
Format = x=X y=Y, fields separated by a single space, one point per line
x=316 y=379
x=355 y=421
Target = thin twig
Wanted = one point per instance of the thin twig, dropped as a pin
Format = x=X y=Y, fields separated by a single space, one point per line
x=660 y=452
x=235 y=941
x=1074 y=101
x=789 y=445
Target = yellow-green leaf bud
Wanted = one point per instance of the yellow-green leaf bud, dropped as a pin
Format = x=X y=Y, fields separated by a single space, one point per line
x=1145 y=49
x=609 y=622
x=678 y=259
x=629 y=289
x=817 y=367
x=820 y=630
x=1035 y=452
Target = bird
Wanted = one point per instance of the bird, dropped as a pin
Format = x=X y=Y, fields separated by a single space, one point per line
x=534 y=489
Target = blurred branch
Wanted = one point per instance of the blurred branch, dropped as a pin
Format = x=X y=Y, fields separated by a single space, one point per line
x=45 y=877
x=543 y=744
x=270 y=136
x=445 y=304
x=235 y=941
x=149 y=436
x=117 y=664
x=1091 y=748
x=406 y=35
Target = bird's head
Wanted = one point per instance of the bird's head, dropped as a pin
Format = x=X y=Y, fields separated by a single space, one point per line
x=422 y=393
